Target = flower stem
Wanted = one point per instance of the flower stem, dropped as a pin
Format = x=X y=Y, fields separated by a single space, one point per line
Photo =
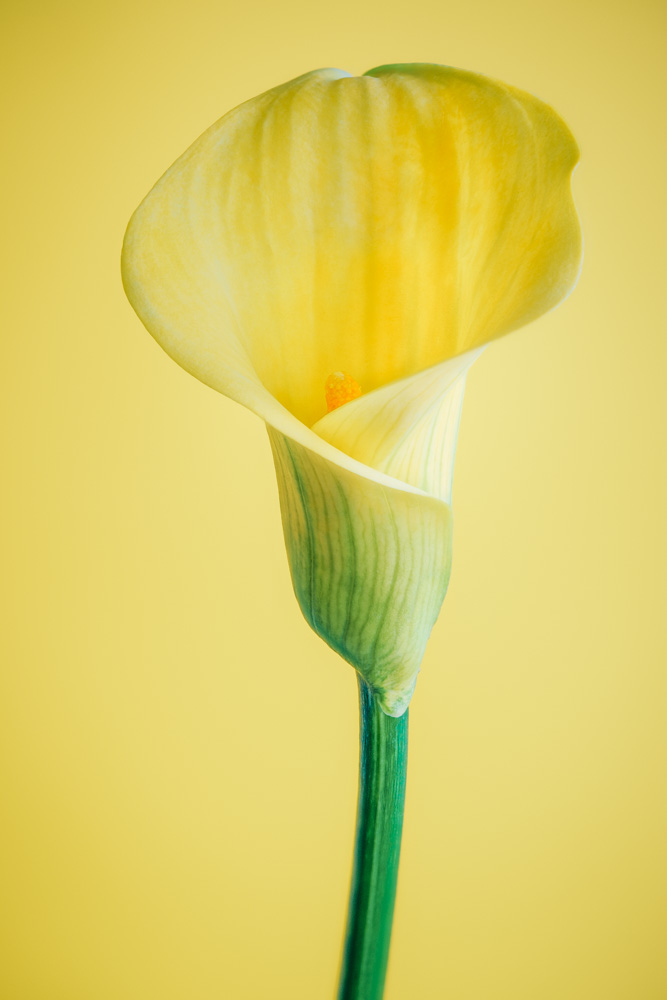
x=383 y=759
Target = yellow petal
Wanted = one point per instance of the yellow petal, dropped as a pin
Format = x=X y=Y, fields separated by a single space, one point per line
x=377 y=224
x=381 y=225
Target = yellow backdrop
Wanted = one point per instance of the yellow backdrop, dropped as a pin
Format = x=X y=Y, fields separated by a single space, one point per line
x=179 y=768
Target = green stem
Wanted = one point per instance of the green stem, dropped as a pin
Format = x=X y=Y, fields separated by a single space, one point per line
x=383 y=763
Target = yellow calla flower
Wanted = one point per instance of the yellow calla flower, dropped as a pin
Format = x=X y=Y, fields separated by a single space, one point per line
x=377 y=231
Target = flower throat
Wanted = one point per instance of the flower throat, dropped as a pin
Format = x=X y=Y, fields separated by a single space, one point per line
x=340 y=388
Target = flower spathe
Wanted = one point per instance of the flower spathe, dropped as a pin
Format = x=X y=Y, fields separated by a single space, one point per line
x=388 y=226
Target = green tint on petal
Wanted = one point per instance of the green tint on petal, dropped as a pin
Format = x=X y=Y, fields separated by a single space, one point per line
x=370 y=565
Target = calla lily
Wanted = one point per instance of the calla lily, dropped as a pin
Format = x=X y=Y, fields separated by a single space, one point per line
x=334 y=255
x=387 y=226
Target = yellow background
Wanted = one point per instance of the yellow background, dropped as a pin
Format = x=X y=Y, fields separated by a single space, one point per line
x=179 y=759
